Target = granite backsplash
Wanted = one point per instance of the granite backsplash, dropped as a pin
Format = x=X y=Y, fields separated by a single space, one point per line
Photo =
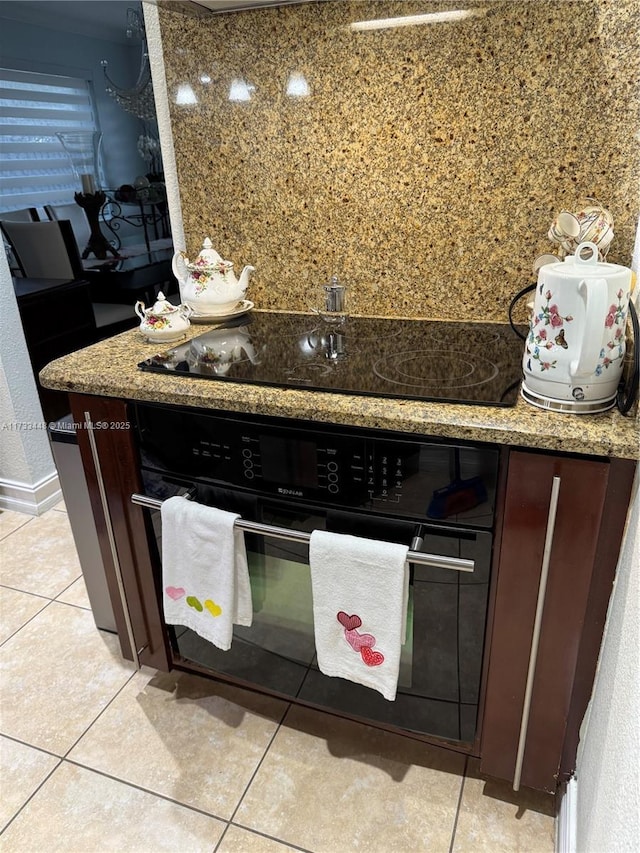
x=421 y=164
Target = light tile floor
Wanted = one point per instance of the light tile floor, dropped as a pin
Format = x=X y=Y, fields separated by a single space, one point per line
x=97 y=757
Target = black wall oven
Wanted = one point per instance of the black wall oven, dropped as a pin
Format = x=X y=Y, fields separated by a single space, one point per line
x=436 y=497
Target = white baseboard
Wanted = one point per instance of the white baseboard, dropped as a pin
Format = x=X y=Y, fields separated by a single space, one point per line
x=567 y=821
x=30 y=499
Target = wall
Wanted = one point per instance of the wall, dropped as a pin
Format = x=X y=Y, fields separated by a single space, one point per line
x=607 y=799
x=608 y=770
x=35 y=48
x=422 y=164
x=28 y=478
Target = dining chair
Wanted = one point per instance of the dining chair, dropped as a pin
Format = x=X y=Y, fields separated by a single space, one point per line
x=25 y=214
x=43 y=249
x=77 y=218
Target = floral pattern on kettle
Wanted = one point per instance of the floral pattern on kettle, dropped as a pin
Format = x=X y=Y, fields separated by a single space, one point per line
x=614 y=349
x=543 y=339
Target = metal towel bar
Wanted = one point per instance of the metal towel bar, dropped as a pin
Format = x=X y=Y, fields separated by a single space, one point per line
x=456 y=564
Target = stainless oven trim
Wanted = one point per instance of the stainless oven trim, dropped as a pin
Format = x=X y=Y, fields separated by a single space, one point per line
x=456 y=564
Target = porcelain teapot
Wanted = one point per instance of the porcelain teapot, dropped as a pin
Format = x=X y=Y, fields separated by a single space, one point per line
x=221 y=348
x=575 y=348
x=163 y=321
x=208 y=285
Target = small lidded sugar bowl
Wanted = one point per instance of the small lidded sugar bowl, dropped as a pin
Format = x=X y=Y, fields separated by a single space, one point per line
x=163 y=322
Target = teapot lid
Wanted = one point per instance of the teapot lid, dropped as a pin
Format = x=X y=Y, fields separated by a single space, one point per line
x=208 y=257
x=163 y=306
x=587 y=259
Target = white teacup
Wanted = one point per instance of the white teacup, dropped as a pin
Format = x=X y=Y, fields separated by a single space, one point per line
x=564 y=227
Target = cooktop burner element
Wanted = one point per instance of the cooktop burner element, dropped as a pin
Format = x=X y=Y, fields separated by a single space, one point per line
x=474 y=363
x=434 y=369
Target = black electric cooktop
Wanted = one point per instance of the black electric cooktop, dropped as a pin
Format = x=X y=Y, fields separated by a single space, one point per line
x=473 y=363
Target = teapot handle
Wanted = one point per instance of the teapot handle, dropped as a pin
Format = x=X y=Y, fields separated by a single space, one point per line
x=180 y=272
x=140 y=310
x=594 y=294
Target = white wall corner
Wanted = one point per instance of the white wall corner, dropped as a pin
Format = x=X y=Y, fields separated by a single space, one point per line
x=30 y=498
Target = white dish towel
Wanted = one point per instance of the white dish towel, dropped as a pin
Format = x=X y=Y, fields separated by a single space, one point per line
x=360 y=593
x=205 y=577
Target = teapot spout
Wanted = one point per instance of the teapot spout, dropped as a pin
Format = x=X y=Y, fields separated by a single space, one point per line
x=244 y=277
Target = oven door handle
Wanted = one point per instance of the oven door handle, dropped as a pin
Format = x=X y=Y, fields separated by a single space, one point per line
x=456 y=564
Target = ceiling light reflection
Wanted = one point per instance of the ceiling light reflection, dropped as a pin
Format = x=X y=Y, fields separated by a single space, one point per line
x=413 y=20
x=240 y=90
x=185 y=95
x=297 y=86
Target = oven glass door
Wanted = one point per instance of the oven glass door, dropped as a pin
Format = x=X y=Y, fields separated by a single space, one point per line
x=441 y=661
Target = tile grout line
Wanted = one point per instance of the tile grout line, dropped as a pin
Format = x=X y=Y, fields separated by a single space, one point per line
x=67 y=587
x=15 y=529
x=290 y=844
x=30 y=619
x=30 y=745
x=64 y=759
x=25 y=592
x=42 y=609
x=33 y=793
x=76 y=763
x=144 y=790
x=250 y=782
x=455 y=820
x=99 y=714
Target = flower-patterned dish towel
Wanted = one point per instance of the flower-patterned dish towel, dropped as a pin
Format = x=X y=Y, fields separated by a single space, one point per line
x=205 y=577
x=360 y=592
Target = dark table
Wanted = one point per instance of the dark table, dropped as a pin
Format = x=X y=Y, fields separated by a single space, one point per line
x=130 y=279
x=145 y=209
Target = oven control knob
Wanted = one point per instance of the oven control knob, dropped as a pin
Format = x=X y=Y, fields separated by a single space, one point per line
x=332 y=466
x=333 y=488
x=248 y=473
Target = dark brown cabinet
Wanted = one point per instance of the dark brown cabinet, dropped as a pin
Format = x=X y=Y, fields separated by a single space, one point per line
x=539 y=681
x=534 y=698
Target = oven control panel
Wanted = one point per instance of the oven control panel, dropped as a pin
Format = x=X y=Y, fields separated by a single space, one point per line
x=355 y=468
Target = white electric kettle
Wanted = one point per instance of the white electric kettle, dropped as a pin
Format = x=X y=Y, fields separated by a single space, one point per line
x=575 y=348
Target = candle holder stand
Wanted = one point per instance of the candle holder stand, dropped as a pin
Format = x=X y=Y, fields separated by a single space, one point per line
x=97 y=243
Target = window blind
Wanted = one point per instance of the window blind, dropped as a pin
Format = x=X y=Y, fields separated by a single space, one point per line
x=34 y=169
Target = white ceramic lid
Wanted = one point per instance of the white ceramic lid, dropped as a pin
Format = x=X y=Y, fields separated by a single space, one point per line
x=163 y=306
x=208 y=257
x=585 y=262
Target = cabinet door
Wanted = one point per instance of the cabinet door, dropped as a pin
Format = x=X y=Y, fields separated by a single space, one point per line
x=110 y=460
x=572 y=544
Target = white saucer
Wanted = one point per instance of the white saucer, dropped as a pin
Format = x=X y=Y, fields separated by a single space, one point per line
x=241 y=308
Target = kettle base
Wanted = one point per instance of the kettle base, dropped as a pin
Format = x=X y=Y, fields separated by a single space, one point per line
x=574 y=407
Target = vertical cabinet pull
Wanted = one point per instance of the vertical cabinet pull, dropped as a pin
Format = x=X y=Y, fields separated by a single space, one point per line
x=535 y=639
x=111 y=537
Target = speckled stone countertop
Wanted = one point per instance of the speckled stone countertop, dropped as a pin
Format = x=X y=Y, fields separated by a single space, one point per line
x=421 y=164
x=109 y=369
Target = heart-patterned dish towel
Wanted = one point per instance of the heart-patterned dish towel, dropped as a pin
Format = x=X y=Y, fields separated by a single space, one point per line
x=205 y=577
x=360 y=593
